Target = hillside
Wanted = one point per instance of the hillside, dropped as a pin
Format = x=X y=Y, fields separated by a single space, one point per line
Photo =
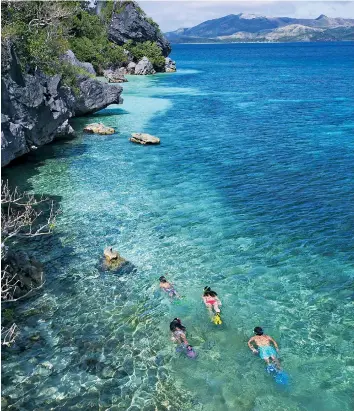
x=252 y=27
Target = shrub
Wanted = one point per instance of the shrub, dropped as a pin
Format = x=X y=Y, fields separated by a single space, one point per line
x=149 y=49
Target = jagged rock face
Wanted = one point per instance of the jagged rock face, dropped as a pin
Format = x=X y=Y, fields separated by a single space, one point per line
x=131 y=68
x=35 y=107
x=95 y=95
x=70 y=57
x=170 y=65
x=131 y=24
x=144 y=67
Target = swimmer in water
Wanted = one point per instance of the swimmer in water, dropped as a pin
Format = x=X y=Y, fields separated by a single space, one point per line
x=168 y=287
x=264 y=346
x=179 y=336
x=211 y=300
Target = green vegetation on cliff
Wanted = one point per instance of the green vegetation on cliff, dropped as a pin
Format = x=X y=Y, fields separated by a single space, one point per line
x=43 y=31
x=90 y=43
x=148 y=49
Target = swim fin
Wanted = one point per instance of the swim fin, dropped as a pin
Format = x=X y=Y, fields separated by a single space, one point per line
x=217 y=319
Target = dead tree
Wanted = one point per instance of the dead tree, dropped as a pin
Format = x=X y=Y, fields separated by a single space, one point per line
x=22 y=215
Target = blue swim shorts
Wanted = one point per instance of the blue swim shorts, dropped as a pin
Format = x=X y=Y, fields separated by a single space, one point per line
x=266 y=352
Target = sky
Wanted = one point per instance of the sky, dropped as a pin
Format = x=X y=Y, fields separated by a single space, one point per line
x=174 y=14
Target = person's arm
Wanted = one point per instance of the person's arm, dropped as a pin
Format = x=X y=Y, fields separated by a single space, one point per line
x=218 y=300
x=204 y=299
x=274 y=342
x=250 y=341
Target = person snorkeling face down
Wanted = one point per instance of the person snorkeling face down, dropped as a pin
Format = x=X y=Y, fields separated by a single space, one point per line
x=178 y=332
x=211 y=300
x=168 y=287
x=264 y=346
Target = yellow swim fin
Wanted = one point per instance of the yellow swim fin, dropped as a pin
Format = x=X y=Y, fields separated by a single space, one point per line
x=217 y=319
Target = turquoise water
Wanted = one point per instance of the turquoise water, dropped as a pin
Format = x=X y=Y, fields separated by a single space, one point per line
x=251 y=192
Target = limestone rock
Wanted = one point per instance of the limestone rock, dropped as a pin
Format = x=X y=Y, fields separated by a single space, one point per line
x=115 y=76
x=144 y=67
x=65 y=131
x=170 y=65
x=144 y=138
x=95 y=95
x=131 y=68
x=113 y=260
x=70 y=57
x=110 y=254
x=35 y=107
x=98 y=128
x=130 y=23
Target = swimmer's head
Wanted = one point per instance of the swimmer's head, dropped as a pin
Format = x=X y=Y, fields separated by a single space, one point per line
x=163 y=279
x=258 y=331
x=206 y=291
x=176 y=323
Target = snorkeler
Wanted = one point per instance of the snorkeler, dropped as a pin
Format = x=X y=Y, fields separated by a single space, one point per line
x=179 y=336
x=168 y=287
x=211 y=300
x=264 y=348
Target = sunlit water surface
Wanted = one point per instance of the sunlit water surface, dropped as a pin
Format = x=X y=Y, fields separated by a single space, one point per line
x=250 y=191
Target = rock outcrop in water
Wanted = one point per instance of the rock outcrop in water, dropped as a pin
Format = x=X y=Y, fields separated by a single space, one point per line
x=98 y=128
x=144 y=67
x=170 y=65
x=129 y=22
x=113 y=261
x=144 y=139
x=35 y=107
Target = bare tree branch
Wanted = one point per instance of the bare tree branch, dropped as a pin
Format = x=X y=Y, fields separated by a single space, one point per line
x=22 y=215
x=8 y=335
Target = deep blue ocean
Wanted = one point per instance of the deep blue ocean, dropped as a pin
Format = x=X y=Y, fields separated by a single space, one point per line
x=250 y=192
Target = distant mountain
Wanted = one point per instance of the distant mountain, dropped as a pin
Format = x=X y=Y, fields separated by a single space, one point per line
x=252 y=27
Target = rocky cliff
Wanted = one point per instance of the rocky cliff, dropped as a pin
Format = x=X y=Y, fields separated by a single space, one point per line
x=35 y=107
x=129 y=22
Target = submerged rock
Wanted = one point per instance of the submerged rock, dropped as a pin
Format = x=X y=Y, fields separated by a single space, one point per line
x=170 y=65
x=98 y=128
x=26 y=270
x=144 y=67
x=144 y=138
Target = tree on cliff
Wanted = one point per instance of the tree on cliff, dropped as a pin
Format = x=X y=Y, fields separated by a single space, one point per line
x=22 y=215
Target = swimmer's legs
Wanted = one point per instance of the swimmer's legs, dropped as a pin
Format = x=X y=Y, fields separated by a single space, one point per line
x=276 y=361
x=216 y=308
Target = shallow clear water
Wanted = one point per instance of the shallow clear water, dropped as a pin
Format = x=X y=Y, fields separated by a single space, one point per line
x=251 y=192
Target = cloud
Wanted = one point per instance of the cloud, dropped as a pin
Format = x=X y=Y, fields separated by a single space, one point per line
x=173 y=14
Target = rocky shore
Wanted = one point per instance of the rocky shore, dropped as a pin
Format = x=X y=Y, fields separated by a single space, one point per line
x=36 y=107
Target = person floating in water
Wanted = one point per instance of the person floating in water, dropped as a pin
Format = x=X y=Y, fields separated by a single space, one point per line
x=168 y=287
x=213 y=303
x=264 y=347
x=179 y=336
